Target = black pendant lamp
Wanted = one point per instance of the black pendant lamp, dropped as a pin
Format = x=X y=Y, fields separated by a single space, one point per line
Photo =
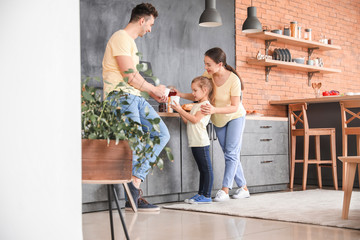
x=252 y=23
x=210 y=17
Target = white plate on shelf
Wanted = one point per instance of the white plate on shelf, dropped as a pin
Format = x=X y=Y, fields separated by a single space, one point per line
x=349 y=93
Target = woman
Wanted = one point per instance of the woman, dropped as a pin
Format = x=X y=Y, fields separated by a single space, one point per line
x=228 y=116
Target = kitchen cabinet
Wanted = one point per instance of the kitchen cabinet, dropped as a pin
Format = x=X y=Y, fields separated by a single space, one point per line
x=264 y=154
x=270 y=37
x=264 y=158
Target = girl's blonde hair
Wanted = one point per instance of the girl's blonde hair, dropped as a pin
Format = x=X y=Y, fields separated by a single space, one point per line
x=206 y=83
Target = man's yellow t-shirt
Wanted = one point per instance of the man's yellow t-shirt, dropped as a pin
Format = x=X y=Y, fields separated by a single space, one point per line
x=223 y=94
x=120 y=44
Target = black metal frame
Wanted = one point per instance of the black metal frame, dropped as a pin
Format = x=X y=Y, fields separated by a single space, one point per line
x=119 y=210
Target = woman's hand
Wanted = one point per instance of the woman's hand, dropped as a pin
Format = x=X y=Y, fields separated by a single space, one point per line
x=207 y=109
x=176 y=107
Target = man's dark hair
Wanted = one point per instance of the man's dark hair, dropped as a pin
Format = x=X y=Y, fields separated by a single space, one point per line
x=143 y=10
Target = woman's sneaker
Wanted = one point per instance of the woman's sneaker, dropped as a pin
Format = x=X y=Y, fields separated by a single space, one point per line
x=221 y=196
x=192 y=198
x=241 y=193
x=201 y=199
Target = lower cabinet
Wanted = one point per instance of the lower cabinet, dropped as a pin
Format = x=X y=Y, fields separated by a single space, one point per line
x=264 y=154
x=264 y=158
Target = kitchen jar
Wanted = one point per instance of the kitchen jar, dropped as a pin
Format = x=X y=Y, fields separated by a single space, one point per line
x=293 y=29
x=307 y=34
x=286 y=31
x=299 y=32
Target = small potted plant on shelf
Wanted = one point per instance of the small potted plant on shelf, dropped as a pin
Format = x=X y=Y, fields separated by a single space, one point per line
x=104 y=124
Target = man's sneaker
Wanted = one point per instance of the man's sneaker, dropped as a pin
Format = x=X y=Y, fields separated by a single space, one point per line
x=221 y=196
x=135 y=193
x=241 y=193
x=201 y=199
x=142 y=206
x=193 y=197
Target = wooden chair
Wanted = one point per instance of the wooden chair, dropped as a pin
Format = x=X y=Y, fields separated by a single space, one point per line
x=349 y=114
x=108 y=164
x=300 y=127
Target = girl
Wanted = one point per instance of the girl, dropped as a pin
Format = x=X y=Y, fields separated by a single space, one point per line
x=202 y=91
x=228 y=116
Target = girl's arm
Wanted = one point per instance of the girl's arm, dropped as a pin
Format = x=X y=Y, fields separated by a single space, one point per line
x=192 y=118
x=209 y=109
x=184 y=119
x=187 y=96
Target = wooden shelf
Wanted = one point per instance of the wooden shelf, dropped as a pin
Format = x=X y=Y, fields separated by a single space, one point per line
x=270 y=37
x=292 y=65
x=293 y=41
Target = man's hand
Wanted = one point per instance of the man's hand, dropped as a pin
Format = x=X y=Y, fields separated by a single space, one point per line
x=158 y=93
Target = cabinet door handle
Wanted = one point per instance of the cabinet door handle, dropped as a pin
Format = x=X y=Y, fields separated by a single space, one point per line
x=269 y=161
x=265 y=126
x=214 y=133
x=208 y=128
x=265 y=140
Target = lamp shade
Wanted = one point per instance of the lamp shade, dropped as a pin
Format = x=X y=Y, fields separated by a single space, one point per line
x=210 y=17
x=252 y=23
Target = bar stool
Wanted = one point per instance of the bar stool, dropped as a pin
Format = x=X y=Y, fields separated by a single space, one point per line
x=347 y=116
x=300 y=127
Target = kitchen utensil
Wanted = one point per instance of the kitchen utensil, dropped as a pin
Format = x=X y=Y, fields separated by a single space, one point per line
x=286 y=31
x=299 y=60
x=310 y=62
x=293 y=29
x=282 y=55
x=277 y=31
x=288 y=53
x=307 y=34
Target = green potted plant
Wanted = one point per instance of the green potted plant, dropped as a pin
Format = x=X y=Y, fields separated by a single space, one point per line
x=102 y=122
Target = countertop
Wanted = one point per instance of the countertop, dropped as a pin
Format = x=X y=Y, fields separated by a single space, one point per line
x=321 y=99
x=252 y=117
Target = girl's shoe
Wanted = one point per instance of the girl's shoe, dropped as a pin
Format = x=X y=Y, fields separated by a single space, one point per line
x=190 y=199
x=241 y=193
x=221 y=196
x=201 y=199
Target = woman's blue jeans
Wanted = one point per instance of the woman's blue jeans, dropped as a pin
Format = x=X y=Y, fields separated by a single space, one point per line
x=136 y=107
x=203 y=161
x=230 y=139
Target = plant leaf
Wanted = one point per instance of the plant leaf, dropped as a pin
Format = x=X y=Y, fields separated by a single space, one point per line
x=87 y=96
x=156 y=80
x=169 y=154
x=145 y=95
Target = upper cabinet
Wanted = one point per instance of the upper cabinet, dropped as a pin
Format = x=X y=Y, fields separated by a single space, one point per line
x=270 y=37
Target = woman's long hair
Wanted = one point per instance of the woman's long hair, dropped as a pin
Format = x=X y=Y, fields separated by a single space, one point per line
x=219 y=56
x=207 y=83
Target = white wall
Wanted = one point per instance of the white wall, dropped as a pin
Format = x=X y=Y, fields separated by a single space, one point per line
x=40 y=153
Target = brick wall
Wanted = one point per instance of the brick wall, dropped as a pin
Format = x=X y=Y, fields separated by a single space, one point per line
x=338 y=20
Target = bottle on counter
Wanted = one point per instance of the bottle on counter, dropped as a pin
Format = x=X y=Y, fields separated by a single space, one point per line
x=293 y=29
x=171 y=93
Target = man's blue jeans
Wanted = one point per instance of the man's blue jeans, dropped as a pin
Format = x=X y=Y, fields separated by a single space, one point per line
x=136 y=107
x=230 y=139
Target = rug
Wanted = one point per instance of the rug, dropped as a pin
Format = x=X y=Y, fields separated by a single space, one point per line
x=320 y=207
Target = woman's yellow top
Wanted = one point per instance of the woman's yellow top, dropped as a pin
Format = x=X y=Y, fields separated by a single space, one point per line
x=223 y=94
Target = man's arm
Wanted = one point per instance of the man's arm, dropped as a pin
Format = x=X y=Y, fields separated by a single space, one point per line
x=136 y=80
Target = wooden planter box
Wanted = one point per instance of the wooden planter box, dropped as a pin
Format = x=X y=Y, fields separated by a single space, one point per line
x=106 y=164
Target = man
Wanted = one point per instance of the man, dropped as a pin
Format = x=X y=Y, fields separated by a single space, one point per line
x=120 y=56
